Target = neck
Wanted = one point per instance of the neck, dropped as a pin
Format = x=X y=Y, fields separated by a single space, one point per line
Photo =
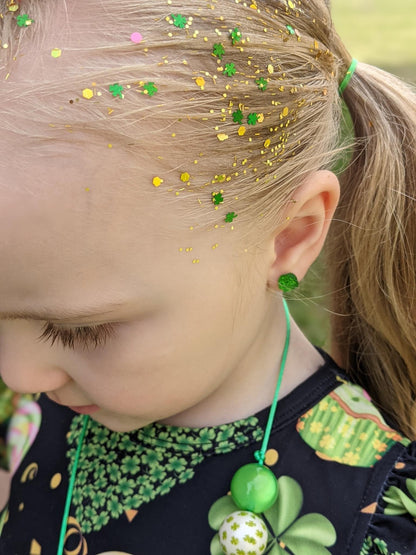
x=250 y=386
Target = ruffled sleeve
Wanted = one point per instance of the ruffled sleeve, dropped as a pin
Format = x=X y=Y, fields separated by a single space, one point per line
x=392 y=529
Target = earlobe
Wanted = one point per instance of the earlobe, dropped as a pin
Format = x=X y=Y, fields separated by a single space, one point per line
x=306 y=223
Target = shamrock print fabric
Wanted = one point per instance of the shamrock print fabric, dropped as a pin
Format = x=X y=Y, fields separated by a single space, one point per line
x=119 y=472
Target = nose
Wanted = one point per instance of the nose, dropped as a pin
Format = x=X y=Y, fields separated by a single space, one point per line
x=26 y=365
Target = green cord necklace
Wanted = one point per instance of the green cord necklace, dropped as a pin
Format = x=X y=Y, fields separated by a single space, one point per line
x=85 y=422
x=254 y=486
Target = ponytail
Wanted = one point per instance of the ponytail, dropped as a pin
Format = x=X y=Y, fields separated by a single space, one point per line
x=372 y=246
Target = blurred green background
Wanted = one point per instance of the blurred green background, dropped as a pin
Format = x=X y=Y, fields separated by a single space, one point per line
x=378 y=32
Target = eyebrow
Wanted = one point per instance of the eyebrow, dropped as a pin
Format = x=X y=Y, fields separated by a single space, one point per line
x=62 y=314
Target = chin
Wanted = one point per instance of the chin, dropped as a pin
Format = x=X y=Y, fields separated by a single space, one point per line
x=120 y=423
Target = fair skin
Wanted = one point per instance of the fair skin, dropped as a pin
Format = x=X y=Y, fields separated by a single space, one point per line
x=194 y=344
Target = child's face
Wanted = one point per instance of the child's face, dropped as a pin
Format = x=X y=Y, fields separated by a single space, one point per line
x=181 y=329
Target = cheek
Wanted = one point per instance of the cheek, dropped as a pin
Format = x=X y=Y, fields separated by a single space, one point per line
x=177 y=356
x=148 y=363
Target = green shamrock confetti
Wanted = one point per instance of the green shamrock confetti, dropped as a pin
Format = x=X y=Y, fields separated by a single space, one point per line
x=230 y=217
x=24 y=20
x=262 y=84
x=290 y=29
x=179 y=20
x=238 y=116
x=230 y=69
x=150 y=88
x=236 y=35
x=252 y=118
x=116 y=90
x=217 y=198
x=218 y=50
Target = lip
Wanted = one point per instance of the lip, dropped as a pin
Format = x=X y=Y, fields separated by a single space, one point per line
x=87 y=409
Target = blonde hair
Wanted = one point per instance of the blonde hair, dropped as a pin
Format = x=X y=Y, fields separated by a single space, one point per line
x=288 y=63
x=372 y=246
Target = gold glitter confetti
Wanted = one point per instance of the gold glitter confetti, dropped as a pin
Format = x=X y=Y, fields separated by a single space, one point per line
x=157 y=181
x=56 y=53
x=87 y=93
x=185 y=177
x=222 y=137
x=200 y=81
x=242 y=131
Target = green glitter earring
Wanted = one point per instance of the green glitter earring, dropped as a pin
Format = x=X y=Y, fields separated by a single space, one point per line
x=288 y=282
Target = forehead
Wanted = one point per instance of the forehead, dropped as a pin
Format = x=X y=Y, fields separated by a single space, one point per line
x=73 y=218
x=76 y=228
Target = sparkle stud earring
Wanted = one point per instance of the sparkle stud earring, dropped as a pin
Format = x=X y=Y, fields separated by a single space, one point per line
x=288 y=282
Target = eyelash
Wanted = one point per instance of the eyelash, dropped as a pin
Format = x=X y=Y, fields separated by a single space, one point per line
x=86 y=337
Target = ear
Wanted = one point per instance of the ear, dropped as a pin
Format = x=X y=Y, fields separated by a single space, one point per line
x=298 y=242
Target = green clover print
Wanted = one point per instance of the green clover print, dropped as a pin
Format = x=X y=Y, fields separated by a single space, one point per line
x=310 y=534
x=398 y=502
x=372 y=546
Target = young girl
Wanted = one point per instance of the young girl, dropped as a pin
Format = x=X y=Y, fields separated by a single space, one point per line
x=166 y=175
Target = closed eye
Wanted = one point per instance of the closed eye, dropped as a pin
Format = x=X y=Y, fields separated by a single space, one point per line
x=86 y=337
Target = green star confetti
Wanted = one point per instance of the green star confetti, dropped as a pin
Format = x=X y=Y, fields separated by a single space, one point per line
x=236 y=35
x=238 y=116
x=150 y=88
x=217 y=198
x=262 y=84
x=218 y=50
x=290 y=29
x=230 y=217
x=116 y=90
x=230 y=69
x=252 y=118
x=24 y=20
x=179 y=20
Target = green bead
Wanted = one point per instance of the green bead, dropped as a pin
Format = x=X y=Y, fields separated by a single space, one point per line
x=254 y=488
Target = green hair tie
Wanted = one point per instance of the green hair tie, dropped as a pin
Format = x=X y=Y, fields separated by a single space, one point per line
x=348 y=75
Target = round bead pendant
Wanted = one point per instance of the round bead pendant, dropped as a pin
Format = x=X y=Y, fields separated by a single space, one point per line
x=254 y=488
x=243 y=532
